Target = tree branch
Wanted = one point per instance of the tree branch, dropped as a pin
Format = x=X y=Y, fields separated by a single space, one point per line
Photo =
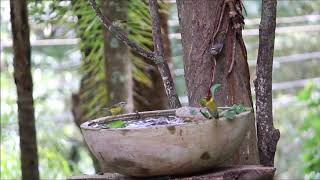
x=157 y=57
x=267 y=135
x=120 y=35
x=159 y=52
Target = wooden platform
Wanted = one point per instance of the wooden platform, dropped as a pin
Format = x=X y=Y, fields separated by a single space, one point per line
x=250 y=172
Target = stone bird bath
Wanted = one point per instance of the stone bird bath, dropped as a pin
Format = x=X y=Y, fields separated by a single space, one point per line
x=166 y=149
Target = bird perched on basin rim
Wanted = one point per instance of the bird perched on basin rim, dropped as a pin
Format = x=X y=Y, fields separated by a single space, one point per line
x=210 y=103
x=116 y=109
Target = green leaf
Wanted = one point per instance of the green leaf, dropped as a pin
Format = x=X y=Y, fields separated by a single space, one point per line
x=238 y=108
x=306 y=92
x=229 y=114
x=205 y=114
x=202 y=102
x=193 y=112
x=214 y=88
x=115 y=124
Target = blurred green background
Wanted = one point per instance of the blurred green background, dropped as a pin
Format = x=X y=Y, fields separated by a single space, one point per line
x=56 y=74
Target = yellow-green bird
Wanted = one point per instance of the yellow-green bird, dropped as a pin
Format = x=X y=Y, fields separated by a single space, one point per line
x=116 y=109
x=210 y=103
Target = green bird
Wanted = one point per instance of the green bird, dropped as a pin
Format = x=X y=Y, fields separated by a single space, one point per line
x=210 y=103
x=116 y=109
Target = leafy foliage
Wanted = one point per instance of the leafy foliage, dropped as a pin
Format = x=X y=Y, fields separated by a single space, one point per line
x=93 y=91
x=81 y=18
x=139 y=25
x=229 y=114
x=310 y=130
x=234 y=110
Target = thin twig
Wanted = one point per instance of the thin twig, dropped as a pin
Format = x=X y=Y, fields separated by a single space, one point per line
x=220 y=21
x=215 y=49
x=120 y=35
x=233 y=53
x=237 y=20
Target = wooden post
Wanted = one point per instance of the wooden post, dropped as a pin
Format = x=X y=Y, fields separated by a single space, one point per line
x=24 y=84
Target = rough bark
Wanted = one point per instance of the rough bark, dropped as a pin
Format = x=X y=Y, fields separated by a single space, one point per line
x=24 y=84
x=117 y=63
x=226 y=173
x=144 y=97
x=199 y=20
x=236 y=172
x=159 y=52
x=267 y=135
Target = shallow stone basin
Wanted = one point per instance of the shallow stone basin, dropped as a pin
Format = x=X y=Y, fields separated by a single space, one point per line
x=166 y=149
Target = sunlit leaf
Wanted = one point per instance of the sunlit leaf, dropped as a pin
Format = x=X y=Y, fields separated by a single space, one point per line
x=229 y=114
x=239 y=108
x=214 y=88
x=205 y=114
x=306 y=92
x=115 y=124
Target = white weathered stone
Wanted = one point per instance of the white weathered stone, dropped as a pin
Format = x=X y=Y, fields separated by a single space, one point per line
x=189 y=113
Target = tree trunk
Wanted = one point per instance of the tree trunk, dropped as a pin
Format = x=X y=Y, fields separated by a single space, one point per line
x=117 y=62
x=199 y=19
x=23 y=80
x=267 y=135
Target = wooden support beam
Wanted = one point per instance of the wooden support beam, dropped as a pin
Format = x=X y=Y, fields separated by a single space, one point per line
x=225 y=173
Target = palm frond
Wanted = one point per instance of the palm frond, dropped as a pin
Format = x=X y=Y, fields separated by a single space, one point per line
x=93 y=88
